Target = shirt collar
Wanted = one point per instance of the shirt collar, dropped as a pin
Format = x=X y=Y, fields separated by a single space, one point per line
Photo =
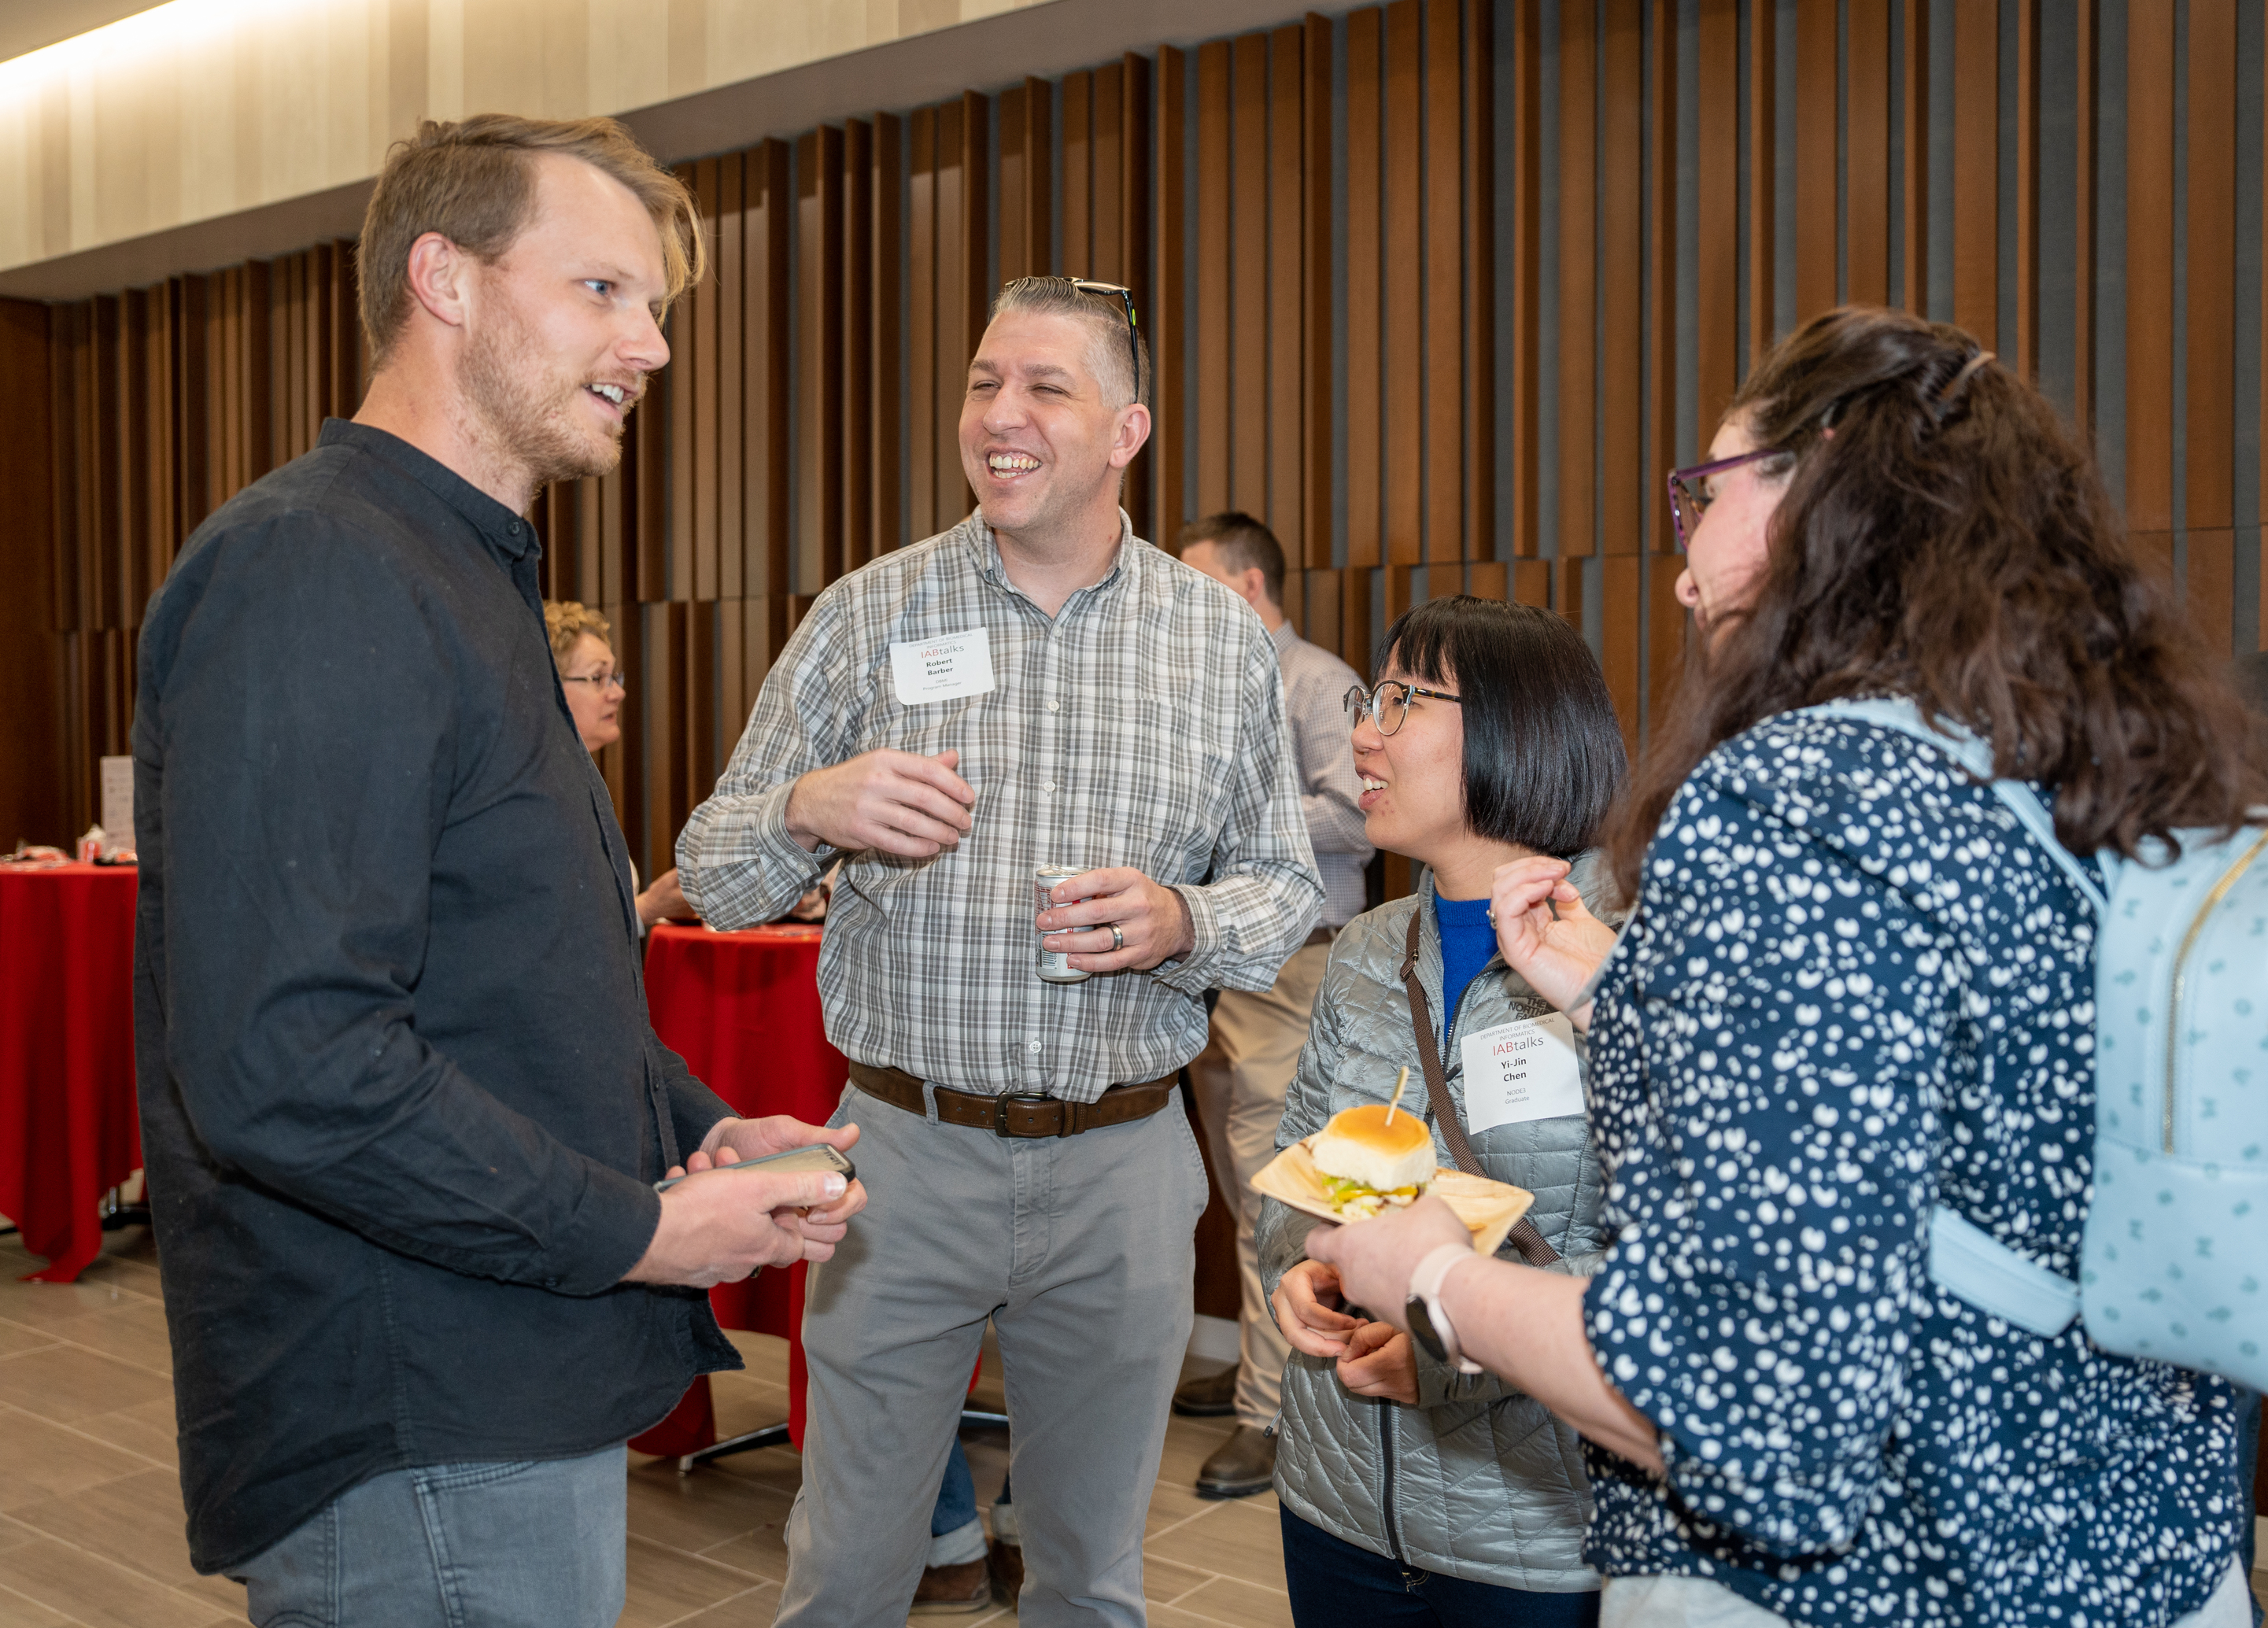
x=510 y=537
x=986 y=551
x=1283 y=636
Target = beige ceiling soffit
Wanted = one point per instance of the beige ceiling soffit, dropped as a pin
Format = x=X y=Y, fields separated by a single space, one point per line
x=28 y=25
x=1047 y=38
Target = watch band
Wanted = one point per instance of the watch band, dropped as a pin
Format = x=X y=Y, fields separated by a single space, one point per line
x=1429 y=1320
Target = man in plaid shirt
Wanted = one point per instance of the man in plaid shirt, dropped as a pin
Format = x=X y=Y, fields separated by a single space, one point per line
x=1034 y=686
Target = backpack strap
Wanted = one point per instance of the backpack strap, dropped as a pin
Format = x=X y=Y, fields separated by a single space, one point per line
x=1964 y=1259
x=1899 y=713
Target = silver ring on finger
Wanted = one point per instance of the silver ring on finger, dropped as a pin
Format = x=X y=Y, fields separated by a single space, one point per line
x=1491 y=915
x=1117 y=938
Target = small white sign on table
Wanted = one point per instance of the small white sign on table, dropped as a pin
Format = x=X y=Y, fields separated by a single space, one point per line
x=117 y=804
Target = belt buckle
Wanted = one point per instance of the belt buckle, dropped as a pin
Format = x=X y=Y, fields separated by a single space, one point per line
x=1000 y=1107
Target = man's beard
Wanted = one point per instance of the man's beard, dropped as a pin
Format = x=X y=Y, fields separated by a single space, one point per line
x=525 y=411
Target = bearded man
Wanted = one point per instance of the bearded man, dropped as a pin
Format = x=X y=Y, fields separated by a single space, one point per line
x=402 y=1109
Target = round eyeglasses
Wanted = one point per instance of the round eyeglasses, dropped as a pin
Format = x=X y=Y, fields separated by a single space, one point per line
x=1388 y=705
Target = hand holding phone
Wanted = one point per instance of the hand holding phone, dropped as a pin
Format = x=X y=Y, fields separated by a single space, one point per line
x=789 y=1161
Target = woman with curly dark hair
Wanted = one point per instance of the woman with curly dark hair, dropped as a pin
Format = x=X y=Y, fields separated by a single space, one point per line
x=1853 y=991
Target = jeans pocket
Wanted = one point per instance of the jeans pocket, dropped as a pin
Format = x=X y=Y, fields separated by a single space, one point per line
x=294 y=1582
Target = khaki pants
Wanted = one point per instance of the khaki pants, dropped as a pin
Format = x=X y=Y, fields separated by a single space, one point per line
x=1240 y=1078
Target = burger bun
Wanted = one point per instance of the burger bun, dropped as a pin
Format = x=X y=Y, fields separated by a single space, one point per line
x=1360 y=1144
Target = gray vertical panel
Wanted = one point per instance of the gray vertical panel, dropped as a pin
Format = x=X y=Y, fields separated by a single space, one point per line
x=2110 y=252
x=1190 y=356
x=1689 y=217
x=1547 y=292
x=2058 y=161
x=1507 y=259
x=1941 y=159
x=1784 y=214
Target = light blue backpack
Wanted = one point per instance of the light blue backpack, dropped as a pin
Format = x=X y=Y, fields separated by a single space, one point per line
x=2174 y=1263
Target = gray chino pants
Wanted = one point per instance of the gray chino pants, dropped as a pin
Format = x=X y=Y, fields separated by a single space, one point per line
x=1078 y=1249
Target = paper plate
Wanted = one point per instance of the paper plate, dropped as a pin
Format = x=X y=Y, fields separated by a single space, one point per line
x=1490 y=1209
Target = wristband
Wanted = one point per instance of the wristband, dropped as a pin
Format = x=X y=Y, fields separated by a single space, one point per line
x=1428 y=1320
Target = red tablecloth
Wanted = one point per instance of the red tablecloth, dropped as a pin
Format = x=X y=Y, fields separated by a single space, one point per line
x=742 y=1010
x=69 y=1126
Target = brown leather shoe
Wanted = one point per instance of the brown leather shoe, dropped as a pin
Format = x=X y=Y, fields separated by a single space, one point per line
x=947 y=1590
x=1240 y=1466
x=1007 y=1561
x=1211 y=1396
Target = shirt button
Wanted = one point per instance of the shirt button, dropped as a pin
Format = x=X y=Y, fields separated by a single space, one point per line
x=1032 y=1046
x=1049 y=787
x=1052 y=707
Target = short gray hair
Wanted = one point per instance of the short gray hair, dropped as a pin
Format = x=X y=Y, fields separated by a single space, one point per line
x=1108 y=357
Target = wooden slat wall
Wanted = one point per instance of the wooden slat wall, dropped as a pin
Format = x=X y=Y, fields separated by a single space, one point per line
x=809 y=422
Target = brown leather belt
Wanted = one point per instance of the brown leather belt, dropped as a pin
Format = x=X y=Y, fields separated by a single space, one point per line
x=1017 y=1115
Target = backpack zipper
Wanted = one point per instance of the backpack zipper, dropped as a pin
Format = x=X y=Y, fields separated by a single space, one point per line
x=2220 y=890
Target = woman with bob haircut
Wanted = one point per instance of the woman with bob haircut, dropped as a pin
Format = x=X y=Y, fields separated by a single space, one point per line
x=1410 y=1493
x=1852 y=989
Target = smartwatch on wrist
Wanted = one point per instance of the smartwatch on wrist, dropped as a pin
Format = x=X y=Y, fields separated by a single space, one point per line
x=1429 y=1321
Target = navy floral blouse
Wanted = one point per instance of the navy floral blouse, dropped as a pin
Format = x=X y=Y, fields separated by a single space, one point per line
x=1854 y=989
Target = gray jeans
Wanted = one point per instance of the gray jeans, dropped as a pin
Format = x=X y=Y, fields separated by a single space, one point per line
x=1078 y=1249
x=530 y=1544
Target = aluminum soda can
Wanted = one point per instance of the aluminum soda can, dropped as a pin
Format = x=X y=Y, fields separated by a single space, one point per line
x=1054 y=965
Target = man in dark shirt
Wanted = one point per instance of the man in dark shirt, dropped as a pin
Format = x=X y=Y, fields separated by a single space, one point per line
x=401 y=1106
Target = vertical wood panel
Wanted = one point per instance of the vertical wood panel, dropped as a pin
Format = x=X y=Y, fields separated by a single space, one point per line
x=2088 y=51
x=1815 y=169
x=1316 y=298
x=1913 y=103
x=1977 y=170
x=856 y=355
x=1579 y=260
x=1078 y=175
x=2150 y=181
x=1622 y=591
x=2209 y=446
x=819 y=356
x=1867 y=169
x=1107 y=220
x=1717 y=137
x=1365 y=309
x=1480 y=289
x=728 y=257
x=771 y=204
x=885 y=192
x=2026 y=203
x=1443 y=135
x=1248 y=426
x=1662 y=276
x=1402 y=357
x=1136 y=204
x=1762 y=148
x=707 y=327
x=2209 y=581
x=1213 y=254
x=1170 y=307
x=1286 y=286
x=920 y=329
x=1622 y=315
x=1525 y=274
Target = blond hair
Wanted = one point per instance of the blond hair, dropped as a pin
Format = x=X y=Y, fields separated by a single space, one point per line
x=473 y=181
x=568 y=620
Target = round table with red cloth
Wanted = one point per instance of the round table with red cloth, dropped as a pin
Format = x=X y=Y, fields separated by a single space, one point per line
x=742 y=1010
x=70 y=1129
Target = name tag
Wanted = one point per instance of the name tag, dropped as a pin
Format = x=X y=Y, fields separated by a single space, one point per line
x=1518 y=1072
x=943 y=669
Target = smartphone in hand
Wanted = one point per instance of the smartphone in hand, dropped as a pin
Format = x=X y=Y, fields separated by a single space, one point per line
x=794 y=1160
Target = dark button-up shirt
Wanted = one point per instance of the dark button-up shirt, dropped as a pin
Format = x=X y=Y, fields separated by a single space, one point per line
x=401 y=1105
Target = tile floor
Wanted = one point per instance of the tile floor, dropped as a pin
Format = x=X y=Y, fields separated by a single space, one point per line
x=91 y=1515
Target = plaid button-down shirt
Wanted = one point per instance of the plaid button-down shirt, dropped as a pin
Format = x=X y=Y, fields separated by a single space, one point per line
x=1141 y=725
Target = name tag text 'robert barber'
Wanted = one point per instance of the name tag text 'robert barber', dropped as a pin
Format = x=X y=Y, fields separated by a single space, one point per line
x=1518 y=1072
x=943 y=669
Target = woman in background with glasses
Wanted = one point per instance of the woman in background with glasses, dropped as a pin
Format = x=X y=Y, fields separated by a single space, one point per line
x=595 y=691
x=1852 y=993
x=1412 y=1493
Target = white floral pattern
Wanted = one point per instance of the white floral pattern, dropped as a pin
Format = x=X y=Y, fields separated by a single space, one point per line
x=1854 y=989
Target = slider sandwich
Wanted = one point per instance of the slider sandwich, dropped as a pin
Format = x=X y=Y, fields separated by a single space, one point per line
x=1372 y=1159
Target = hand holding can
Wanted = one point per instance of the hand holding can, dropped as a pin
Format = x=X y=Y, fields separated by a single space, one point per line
x=1055 y=965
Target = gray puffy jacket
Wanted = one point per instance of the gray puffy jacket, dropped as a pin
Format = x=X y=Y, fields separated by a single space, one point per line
x=1476 y=1480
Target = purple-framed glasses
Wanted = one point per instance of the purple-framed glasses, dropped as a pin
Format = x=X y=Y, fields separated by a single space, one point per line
x=1688 y=489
